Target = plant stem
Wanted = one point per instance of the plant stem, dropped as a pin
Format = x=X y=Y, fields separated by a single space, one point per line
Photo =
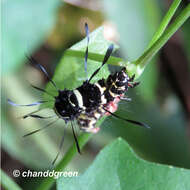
x=147 y=55
x=167 y=18
x=49 y=181
x=7 y=182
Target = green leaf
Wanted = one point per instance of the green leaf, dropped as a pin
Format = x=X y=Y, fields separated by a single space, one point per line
x=97 y=44
x=26 y=25
x=70 y=71
x=117 y=167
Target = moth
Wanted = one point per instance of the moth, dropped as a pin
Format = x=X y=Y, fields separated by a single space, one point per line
x=89 y=102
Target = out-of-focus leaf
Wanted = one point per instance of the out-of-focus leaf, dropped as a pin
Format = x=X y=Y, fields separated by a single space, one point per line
x=136 y=21
x=33 y=151
x=25 y=26
x=186 y=31
x=7 y=182
x=148 y=82
x=117 y=167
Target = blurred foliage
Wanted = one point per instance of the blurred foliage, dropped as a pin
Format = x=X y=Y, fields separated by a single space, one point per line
x=56 y=27
x=141 y=20
x=186 y=39
x=7 y=182
x=25 y=27
x=68 y=30
x=30 y=151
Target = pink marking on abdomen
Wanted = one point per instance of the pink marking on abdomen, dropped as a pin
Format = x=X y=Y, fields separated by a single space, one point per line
x=113 y=105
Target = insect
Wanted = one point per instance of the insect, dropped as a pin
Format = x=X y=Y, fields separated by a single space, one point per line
x=89 y=102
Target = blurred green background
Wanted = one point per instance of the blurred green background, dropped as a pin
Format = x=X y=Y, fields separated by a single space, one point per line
x=45 y=29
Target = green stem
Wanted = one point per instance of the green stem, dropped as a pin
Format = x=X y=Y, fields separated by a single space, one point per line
x=93 y=56
x=49 y=181
x=147 y=55
x=8 y=183
x=167 y=18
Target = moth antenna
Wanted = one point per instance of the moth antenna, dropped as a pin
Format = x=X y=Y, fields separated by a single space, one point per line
x=132 y=78
x=86 y=52
x=128 y=120
x=32 y=104
x=36 y=64
x=60 y=147
x=126 y=99
x=40 y=89
x=106 y=57
x=133 y=84
x=39 y=117
x=35 y=131
x=75 y=137
x=27 y=115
